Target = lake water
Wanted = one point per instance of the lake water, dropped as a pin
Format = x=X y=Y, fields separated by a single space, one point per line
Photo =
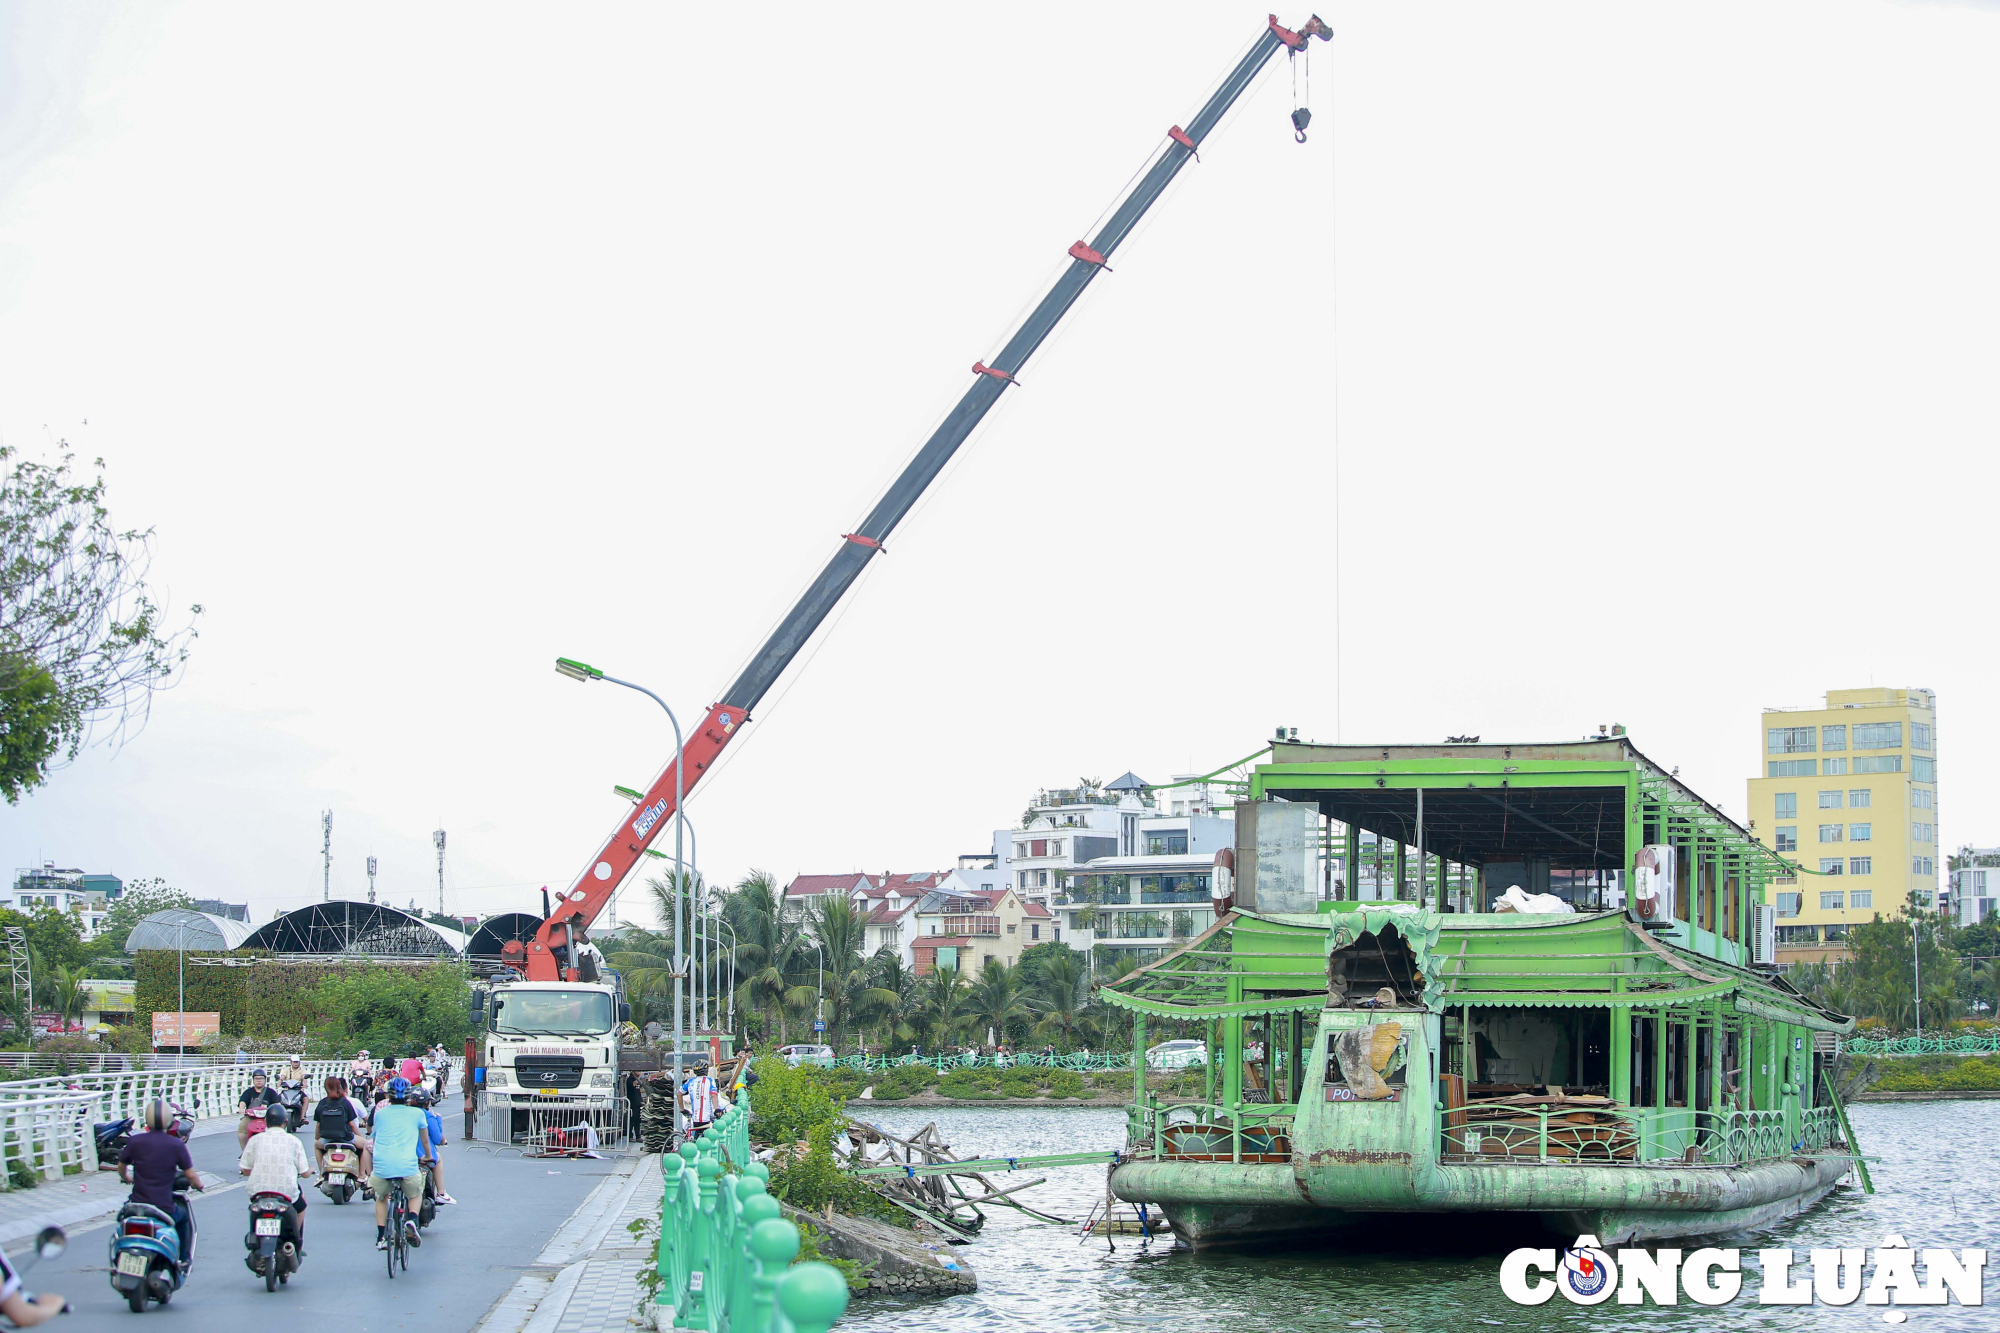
x=1937 y=1185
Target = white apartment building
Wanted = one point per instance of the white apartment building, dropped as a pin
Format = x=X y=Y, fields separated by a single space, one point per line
x=1975 y=885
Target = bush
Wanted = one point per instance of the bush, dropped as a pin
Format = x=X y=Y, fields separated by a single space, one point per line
x=1968 y=1075
x=813 y=1181
x=387 y=1009
x=1065 y=1083
x=973 y=1083
x=903 y=1081
x=1021 y=1083
x=788 y=1104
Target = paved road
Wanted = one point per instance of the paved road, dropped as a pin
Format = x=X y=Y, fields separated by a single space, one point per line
x=508 y=1209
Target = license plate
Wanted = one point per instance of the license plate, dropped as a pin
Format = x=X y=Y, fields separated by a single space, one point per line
x=268 y=1226
x=134 y=1263
x=548 y=1092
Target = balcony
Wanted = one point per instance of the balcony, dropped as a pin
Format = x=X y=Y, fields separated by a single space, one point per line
x=972 y=925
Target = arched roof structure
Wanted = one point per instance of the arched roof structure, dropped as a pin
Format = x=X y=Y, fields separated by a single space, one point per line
x=343 y=927
x=183 y=928
x=496 y=931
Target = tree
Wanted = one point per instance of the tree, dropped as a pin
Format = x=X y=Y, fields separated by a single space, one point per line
x=941 y=1004
x=998 y=1002
x=82 y=643
x=68 y=994
x=141 y=898
x=396 y=1009
x=1060 y=998
x=768 y=957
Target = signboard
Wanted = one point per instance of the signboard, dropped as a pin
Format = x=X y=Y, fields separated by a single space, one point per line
x=109 y=997
x=819 y=1026
x=178 y=1029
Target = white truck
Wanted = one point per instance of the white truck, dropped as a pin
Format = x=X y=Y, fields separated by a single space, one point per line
x=551 y=1051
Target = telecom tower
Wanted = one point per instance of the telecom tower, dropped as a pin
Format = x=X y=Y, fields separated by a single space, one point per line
x=326 y=856
x=437 y=840
x=371 y=879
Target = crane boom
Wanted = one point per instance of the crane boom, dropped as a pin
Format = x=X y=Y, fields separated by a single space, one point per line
x=550 y=955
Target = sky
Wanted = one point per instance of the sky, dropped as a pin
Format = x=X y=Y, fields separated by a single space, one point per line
x=1588 y=364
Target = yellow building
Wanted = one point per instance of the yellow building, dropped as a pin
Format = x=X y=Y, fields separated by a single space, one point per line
x=1848 y=791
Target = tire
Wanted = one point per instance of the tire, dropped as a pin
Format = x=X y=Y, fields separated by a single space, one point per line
x=390 y=1255
x=283 y=1278
x=271 y=1274
x=340 y=1194
x=136 y=1298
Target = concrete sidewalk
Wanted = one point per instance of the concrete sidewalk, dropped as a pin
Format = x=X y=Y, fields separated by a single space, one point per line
x=585 y=1280
x=77 y=1201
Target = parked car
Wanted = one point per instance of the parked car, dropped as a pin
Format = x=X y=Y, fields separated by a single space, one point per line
x=1177 y=1054
x=808 y=1055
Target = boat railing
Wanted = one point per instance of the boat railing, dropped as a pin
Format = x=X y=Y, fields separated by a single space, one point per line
x=1617 y=1135
x=1206 y=1132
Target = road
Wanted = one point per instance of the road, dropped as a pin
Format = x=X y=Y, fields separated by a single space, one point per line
x=508 y=1209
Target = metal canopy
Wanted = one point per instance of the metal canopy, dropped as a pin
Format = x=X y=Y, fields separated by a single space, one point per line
x=497 y=931
x=356 y=928
x=179 y=928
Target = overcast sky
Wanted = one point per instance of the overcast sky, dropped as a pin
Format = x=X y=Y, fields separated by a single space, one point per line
x=1590 y=364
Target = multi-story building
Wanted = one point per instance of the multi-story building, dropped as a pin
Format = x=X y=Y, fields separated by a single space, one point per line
x=807 y=890
x=964 y=928
x=1975 y=884
x=1153 y=894
x=86 y=896
x=1848 y=792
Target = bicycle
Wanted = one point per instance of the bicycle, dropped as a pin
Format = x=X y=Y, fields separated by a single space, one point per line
x=398 y=1250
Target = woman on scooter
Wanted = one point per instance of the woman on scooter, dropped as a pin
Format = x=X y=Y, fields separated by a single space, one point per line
x=336 y=1121
x=149 y=1163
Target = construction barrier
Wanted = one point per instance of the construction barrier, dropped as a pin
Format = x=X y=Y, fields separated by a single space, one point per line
x=726 y=1251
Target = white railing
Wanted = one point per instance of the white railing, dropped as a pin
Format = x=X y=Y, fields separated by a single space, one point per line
x=46 y=1122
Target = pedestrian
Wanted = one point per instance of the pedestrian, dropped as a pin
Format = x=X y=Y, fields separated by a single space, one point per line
x=698 y=1100
x=255 y=1098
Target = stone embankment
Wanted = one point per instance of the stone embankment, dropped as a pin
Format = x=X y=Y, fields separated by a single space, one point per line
x=898 y=1262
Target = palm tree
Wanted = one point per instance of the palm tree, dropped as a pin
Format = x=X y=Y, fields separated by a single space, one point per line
x=1061 y=1000
x=890 y=976
x=941 y=1001
x=70 y=993
x=769 y=954
x=998 y=1000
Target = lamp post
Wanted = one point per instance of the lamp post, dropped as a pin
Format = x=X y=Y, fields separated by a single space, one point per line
x=701 y=956
x=735 y=947
x=581 y=671
x=819 y=1009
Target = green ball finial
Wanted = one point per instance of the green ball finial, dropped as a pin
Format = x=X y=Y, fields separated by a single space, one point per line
x=774 y=1241
x=760 y=1207
x=759 y=1170
x=813 y=1296
x=747 y=1185
x=689 y=1151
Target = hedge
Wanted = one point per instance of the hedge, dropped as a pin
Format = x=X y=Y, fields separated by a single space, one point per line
x=257 y=996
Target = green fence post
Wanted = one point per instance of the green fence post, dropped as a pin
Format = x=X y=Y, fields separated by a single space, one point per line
x=812 y=1296
x=670 y=1188
x=774 y=1243
x=757 y=1207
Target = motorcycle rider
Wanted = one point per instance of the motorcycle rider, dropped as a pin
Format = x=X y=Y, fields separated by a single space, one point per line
x=255 y=1098
x=336 y=1121
x=276 y=1163
x=149 y=1163
x=23 y=1312
x=360 y=1069
x=292 y=1092
x=424 y=1102
x=402 y=1139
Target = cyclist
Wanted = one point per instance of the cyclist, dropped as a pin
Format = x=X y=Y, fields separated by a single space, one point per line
x=276 y=1163
x=402 y=1139
x=424 y=1102
x=148 y=1163
x=255 y=1098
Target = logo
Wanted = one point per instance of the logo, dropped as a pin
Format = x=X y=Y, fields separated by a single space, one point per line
x=550 y=1076
x=649 y=817
x=1587 y=1274
x=728 y=723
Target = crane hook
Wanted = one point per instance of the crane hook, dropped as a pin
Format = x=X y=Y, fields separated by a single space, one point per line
x=1301 y=117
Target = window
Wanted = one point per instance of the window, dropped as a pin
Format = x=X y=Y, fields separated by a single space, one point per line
x=1922 y=799
x=1020 y=849
x=1832 y=865
x=1922 y=865
x=1798 y=934
x=1024 y=879
x=1055 y=847
x=1923 y=770
x=1038 y=847
x=1860 y=799
x=1788 y=805
x=1829 y=800
x=1833 y=768
x=1831 y=832
x=1788 y=905
x=1979 y=882
x=1835 y=932
x=1010 y=928
x=1791 y=768
x=1860 y=832
x=1860 y=865
x=1034 y=931
x=1880 y=763
x=1923 y=897
x=1923 y=833
x=1044 y=878
x=1861 y=898
x=1878 y=735
x=1788 y=837
x=891 y=936
x=1920 y=736
x=1833 y=738
x=1789 y=740
x=1832 y=902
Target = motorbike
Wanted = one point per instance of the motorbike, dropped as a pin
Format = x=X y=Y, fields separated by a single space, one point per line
x=146 y=1251
x=50 y=1242
x=293 y=1099
x=111 y=1140
x=340 y=1177
x=272 y=1240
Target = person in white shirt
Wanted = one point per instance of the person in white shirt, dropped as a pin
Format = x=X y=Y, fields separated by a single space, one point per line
x=700 y=1100
x=277 y=1163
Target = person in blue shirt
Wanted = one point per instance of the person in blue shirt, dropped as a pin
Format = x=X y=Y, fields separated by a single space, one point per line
x=402 y=1139
x=435 y=1122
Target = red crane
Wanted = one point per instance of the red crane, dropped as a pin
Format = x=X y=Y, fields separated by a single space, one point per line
x=553 y=954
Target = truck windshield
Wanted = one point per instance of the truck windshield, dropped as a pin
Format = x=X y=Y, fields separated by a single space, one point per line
x=552 y=1011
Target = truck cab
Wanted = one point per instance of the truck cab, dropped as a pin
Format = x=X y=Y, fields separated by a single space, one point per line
x=551 y=1051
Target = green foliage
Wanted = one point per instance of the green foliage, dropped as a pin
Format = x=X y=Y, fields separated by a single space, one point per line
x=970 y=1083
x=395 y=1009
x=903 y=1081
x=1965 y=1075
x=140 y=899
x=1021 y=1081
x=222 y=990
x=1065 y=1083
x=809 y=1252
x=81 y=641
x=813 y=1180
x=788 y=1104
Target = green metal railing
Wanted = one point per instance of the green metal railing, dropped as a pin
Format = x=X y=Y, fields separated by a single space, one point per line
x=1629 y=1135
x=726 y=1251
x=1966 y=1043
x=1208 y=1132
x=1082 y=1062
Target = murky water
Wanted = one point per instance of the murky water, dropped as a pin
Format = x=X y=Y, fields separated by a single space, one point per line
x=1938 y=1184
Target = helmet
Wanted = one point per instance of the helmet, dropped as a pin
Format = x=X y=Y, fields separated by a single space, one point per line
x=399 y=1089
x=362 y=1055
x=258 y=1073
x=418 y=1097
x=276 y=1111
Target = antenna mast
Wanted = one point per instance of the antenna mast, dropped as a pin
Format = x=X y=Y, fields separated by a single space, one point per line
x=326 y=856
x=371 y=879
x=437 y=840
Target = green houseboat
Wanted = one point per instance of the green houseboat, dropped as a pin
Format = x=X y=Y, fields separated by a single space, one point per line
x=1632 y=1067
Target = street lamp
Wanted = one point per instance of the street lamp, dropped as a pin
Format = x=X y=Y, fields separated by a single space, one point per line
x=735 y=947
x=583 y=671
x=701 y=955
x=819 y=1011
